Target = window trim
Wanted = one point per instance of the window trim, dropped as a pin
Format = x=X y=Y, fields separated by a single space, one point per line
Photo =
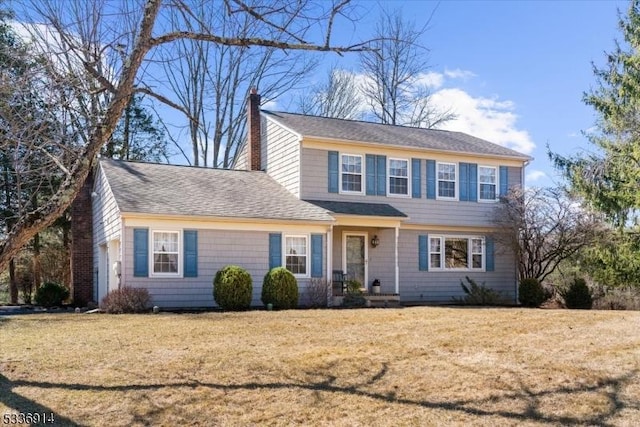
x=389 y=176
x=180 y=261
x=456 y=181
x=307 y=254
x=439 y=253
x=362 y=174
x=497 y=185
x=470 y=253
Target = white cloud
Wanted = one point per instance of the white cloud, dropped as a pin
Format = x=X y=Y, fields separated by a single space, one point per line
x=270 y=105
x=486 y=118
x=535 y=175
x=431 y=80
x=459 y=74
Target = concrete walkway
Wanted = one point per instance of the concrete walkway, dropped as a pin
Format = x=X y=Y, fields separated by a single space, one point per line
x=10 y=310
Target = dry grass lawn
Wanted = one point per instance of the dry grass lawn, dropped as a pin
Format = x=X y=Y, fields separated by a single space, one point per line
x=412 y=366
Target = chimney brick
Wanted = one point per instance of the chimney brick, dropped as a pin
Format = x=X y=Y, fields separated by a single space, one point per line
x=253 y=119
x=82 y=245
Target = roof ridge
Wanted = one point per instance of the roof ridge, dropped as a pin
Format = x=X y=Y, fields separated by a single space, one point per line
x=192 y=167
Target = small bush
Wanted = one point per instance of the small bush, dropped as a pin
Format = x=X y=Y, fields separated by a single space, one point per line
x=531 y=293
x=51 y=294
x=126 y=300
x=617 y=299
x=232 y=288
x=578 y=295
x=353 y=297
x=317 y=293
x=280 y=289
x=479 y=294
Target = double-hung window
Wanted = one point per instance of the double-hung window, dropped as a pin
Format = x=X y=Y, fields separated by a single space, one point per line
x=295 y=251
x=447 y=180
x=456 y=253
x=487 y=180
x=351 y=173
x=166 y=252
x=399 y=177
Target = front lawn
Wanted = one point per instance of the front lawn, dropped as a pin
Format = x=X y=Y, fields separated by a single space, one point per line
x=413 y=366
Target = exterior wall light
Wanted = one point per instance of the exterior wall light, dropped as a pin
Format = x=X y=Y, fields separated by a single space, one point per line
x=375 y=241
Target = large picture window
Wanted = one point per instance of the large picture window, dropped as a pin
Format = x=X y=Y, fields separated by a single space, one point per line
x=399 y=177
x=487 y=180
x=296 y=259
x=166 y=252
x=456 y=253
x=447 y=180
x=351 y=173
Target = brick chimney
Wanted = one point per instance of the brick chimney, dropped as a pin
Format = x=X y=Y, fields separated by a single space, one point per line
x=82 y=245
x=253 y=133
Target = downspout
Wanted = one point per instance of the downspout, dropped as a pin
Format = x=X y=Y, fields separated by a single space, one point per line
x=397 y=264
x=330 y=265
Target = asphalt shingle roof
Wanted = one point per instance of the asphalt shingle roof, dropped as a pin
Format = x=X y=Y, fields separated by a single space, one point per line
x=182 y=190
x=403 y=136
x=359 y=208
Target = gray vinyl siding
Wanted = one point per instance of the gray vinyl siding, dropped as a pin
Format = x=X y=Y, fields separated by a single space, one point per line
x=280 y=155
x=241 y=161
x=443 y=286
x=216 y=249
x=106 y=216
x=419 y=211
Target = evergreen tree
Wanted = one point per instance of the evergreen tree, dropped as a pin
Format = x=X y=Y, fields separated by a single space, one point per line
x=609 y=179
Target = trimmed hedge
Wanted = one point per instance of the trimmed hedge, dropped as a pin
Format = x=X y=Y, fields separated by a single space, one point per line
x=280 y=289
x=578 y=296
x=51 y=294
x=232 y=288
x=531 y=293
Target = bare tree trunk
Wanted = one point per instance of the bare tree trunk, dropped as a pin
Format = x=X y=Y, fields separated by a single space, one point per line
x=37 y=271
x=13 y=284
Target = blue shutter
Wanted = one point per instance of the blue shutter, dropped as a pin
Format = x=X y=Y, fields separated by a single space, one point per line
x=463 y=170
x=381 y=179
x=275 y=250
x=423 y=253
x=489 y=253
x=416 y=191
x=316 y=255
x=140 y=252
x=504 y=181
x=431 y=179
x=371 y=174
x=190 y=242
x=473 y=182
x=333 y=171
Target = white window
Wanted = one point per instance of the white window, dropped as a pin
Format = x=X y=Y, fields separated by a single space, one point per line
x=487 y=181
x=295 y=254
x=166 y=253
x=435 y=252
x=351 y=173
x=399 y=177
x=460 y=253
x=447 y=180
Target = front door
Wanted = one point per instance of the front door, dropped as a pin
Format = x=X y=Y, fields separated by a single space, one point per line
x=355 y=257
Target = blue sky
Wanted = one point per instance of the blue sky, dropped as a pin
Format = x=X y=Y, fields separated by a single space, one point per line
x=514 y=72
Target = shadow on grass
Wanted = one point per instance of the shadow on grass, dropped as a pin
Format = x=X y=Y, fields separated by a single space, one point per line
x=612 y=388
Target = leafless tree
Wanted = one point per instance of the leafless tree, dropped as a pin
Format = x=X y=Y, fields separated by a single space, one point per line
x=90 y=81
x=339 y=97
x=392 y=74
x=210 y=81
x=543 y=227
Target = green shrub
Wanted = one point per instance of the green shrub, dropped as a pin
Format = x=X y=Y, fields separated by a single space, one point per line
x=232 y=288
x=280 y=289
x=353 y=297
x=479 y=294
x=51 y=294
x=578 y=295
x=531 y=293
x=126 y=300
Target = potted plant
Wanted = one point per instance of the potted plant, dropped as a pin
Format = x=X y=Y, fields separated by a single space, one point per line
x=375 y=286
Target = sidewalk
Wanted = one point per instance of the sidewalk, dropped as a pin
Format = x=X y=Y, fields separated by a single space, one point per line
x=10 y=310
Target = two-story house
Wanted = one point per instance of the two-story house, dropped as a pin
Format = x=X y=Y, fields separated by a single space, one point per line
x=412 y=208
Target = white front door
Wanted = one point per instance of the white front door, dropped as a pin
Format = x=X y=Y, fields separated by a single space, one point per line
x=355 y=257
